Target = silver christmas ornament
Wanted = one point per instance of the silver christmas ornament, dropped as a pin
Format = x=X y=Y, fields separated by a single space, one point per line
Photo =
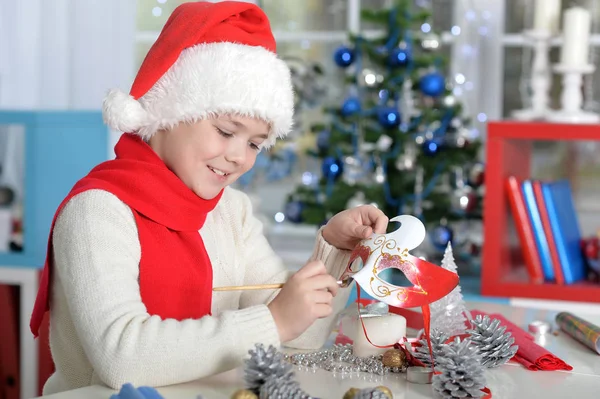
x=461 y=374
x=430 y=42
x=379 y=176
x=408 y=159
x=492 y=341
x=405 y=162
x=384 y=142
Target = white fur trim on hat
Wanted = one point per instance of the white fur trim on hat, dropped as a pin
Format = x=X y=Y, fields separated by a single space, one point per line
x=210 y=79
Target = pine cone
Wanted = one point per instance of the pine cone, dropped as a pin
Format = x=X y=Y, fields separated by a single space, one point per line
x=421 y=353
x=281 y=388
x=494 y=344
x=461 y=373
x=263 y=364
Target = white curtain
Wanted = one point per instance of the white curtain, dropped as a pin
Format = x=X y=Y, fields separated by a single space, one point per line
x=64 y=54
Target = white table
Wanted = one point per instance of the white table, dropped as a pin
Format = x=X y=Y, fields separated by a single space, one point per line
x=507 y=382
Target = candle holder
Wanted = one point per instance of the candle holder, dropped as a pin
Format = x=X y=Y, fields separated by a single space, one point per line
x=572 y=97
x=540 y=77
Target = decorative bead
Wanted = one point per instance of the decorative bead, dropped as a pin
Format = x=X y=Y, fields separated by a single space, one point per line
x=394 y=358
x=341 y=359
x=351 y=393
x=386 y=391
x=244 y=394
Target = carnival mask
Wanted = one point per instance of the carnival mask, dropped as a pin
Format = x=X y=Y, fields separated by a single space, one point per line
x=384 y=251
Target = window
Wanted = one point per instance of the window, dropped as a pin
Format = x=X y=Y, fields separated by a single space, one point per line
x=518 y=56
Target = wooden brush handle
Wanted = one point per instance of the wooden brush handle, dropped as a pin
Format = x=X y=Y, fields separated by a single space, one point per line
x=341 y=283
x=249 y=287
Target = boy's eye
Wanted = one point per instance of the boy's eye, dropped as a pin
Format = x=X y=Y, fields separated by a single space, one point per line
x=255 y=147
x=223 y=133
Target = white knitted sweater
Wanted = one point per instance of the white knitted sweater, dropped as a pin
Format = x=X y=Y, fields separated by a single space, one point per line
x=100 y=332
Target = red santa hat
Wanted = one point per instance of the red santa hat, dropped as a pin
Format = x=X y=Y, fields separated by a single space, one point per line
x=210 y=59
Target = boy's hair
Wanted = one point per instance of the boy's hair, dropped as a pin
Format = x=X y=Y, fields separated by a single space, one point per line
x=210 y=59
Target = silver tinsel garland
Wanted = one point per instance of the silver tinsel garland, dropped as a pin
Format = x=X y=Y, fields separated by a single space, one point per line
x=421 y=352
x=340 y=359
x=461 y=373
x=492 y=341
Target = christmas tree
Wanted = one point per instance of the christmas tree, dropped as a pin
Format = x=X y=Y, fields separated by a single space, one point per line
x=448 y=313
x=398 y=139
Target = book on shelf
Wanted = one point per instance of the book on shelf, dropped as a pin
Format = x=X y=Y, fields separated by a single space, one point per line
x=524 y=230
x=548 y=227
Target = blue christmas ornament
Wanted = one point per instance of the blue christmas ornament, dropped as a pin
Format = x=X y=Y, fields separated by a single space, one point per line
x=351 y=106
x=343 y=56
x=293 y=211
x=440 y=236
x=323 y=140
x=432 y=84
x=128 y=391
x=431 y=147
x=332 y=168
x=399 y=57
x=388 y=117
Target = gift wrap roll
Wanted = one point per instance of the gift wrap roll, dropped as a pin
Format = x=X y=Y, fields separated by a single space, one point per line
x=579 y=329
x=383 y=330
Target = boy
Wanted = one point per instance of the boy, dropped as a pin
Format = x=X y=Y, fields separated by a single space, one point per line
x=138 y=245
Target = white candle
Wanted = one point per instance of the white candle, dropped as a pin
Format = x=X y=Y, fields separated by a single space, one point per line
x=382 y=330
x=546 y=15
x=576 y=37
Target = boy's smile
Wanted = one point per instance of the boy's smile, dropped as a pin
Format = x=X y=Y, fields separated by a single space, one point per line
x=213 y=153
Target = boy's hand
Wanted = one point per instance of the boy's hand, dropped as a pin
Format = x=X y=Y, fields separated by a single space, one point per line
x=347 y=228
x=306 y=297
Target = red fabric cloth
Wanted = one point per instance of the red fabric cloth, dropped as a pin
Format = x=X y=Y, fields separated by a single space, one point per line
x=530 y=354
x=199 y=22
x=175 y=270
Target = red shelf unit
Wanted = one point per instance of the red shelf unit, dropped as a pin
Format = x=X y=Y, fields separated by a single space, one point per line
x=508 y=153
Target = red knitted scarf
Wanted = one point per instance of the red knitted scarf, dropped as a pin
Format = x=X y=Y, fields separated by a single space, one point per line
x=175 y=270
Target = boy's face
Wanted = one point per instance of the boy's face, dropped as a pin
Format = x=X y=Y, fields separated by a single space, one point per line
x=212 y=153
